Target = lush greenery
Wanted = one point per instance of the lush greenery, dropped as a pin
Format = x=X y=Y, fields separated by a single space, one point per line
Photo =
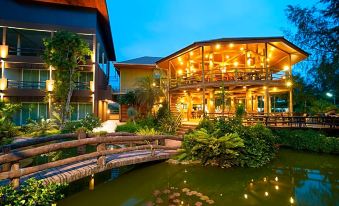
x=32 y=193
x=228 y=143
x=316 y=31
x=88 y=124
x=309 y=140
x=7 y=128
x=162 y=122
x=65 y=51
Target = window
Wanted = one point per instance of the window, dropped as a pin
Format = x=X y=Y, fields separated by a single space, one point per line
x=80 y=110
x=34 y=79
x=33 y=111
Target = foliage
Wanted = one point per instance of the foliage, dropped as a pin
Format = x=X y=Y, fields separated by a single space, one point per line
x=40 y=128
x=212 y=150
x=258 y=140
x=147 y=121
x=259 y=146
x=65 y=51
x=240 y=111
x=88 y=123
x=147 y=93
x=316 y=30
x=309 y=140
x=129 y=98
x=130 y=127
x=166 y=122
x=148 y=131
x=7 y=128
x=132 y=113
x=32 y=193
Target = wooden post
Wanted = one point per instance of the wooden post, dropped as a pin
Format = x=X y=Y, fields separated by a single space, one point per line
x=6 y=166
x=81 y=149
x=101 y=161
x=15 y=181
x=203 y=80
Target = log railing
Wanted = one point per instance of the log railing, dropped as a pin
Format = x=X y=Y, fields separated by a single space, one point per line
x=13 y=153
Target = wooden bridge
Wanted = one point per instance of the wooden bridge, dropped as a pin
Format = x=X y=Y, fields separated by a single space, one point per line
x=133 y=149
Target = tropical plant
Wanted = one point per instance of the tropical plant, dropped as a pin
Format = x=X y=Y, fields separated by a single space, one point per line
x=147 y=93
x=129 y=99
x=132 y=113
x=223 y=151
x=32 y=193
x=40 y=127
x=166 y=122
x=65 y=51
x=147 y=131
x=7 y=128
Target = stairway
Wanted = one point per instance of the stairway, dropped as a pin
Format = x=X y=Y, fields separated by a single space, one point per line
x=185 y=128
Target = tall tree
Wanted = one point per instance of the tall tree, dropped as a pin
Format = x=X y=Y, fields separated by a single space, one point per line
x=65 y=51
x=317 y=31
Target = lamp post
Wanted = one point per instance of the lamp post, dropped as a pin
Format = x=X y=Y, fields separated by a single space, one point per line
x=331 y=95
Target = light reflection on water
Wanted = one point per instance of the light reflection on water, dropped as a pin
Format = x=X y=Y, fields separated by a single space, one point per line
x=294 y=178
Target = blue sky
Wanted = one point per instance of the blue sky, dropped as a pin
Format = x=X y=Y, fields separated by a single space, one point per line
x=160 y=27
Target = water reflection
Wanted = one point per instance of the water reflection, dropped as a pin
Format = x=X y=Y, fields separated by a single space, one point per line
x=295 y=178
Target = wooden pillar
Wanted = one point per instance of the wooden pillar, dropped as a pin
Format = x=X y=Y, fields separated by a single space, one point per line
x=189 y=106
x=101 y=161
x=203 y=80
x=265 y=62
x=4 y=37
x=15 y=181
x=81 y=149
x=290 y=102
x=249 y=101
x=266 y=101
x=255 y=103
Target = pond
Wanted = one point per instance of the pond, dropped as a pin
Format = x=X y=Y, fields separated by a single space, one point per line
x=294 y=178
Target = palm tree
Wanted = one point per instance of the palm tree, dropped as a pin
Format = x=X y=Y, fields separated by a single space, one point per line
x=148 y=93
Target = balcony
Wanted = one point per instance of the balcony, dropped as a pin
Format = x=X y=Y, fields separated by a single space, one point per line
x=26 y=85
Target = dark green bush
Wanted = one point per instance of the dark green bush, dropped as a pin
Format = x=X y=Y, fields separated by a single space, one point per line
x=206 y=124
x=130 y=127
x=32 y=193
x=309 y=140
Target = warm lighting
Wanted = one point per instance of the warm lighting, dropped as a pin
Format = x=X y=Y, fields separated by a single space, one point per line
x=180 y=59
x=211 y=63
x=153 y=84
x=223 y=70
x=266 y=194
x=180 y=72
x=276 y=187
x=184 y=91
x=3 y=83
x=245 y=196
x=240 y=101
x=181 y=63
x=3 y=51
x=160 y=105
x=2 y=96
x=242 y=49
x=191 y=53
x=91 y=182
x=206 y=56
x=91 y=86
x=49 y=85
x=217 y=46
x=249 y=62
x=276 y=179
x=244 y=87
x=185 y=181
x=267 y=59
x=227 y=56
x=231 y=45
x=54 y=204
x=211 y=102
x=286 y=68
x=236 y=64
x=211 y=56
x=288 y=83
x=291 y=200
x=182 y=202
x=264 y=87
x=198 y=89
x=275 y=89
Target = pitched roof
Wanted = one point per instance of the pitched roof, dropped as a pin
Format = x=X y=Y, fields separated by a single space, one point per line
x=146 y=60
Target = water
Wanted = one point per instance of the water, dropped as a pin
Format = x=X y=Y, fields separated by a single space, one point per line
x=294 y=178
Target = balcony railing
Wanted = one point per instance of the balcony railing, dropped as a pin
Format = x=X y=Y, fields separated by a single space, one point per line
x=25 y=51
x=26 y=84
x=217 y=75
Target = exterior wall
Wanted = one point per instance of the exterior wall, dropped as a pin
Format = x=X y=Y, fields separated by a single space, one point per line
x=129 y=76
x=44 y=19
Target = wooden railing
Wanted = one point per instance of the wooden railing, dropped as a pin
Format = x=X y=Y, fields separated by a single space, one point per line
x=276 y=120
x=13 y=153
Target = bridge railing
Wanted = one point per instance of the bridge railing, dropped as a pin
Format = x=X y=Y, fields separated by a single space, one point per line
x=13 y=153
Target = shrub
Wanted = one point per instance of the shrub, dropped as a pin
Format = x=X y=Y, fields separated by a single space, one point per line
x=130 y=127
x=223 y=151
x=88 y=123
x=147 y=121
x=259 y=146
x=132 y=113
x=206 y=124
x=165 y=121
x=148 y=131
x=309 y=140
x=40 y=128
x=33 y=192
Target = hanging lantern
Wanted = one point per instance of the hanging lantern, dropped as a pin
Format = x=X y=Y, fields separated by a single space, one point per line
x=49 y=85
x=3 y=51
x=3 y=84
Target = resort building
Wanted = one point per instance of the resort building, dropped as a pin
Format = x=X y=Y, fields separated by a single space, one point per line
x=26 y=80
x=213 y=77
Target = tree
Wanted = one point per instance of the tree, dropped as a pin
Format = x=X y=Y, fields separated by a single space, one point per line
x=317 y=31
x=65 y=51
x=148 y=93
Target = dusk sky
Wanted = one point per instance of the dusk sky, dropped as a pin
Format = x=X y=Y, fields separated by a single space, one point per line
x=160 y=27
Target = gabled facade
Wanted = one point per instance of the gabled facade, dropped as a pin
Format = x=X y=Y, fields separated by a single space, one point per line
x=25 y=79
